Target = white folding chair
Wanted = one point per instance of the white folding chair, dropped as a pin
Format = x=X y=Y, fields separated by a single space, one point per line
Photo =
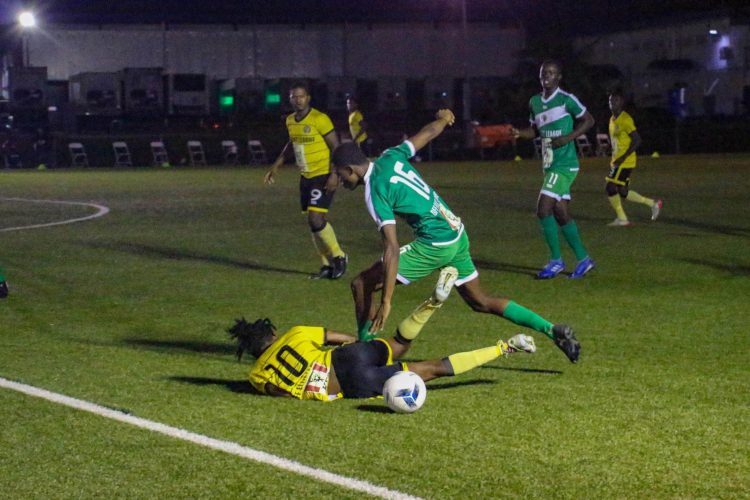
x=196 y=154
x=256 y=152
x=538 y=148
x=584 y=146
x=78 y=157
x=603 y=145
x=122 y=154
x=229 y=150
x=159 y=153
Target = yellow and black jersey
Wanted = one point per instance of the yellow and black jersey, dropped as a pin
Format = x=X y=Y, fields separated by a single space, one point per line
x=310 y=148
x=355 y=126
x=297 y=362
x=620 y=129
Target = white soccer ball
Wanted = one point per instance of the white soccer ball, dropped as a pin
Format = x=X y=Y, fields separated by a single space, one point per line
x=404 y=392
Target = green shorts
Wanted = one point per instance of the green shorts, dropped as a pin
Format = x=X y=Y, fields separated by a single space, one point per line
x=419 y=259
x=557 y=184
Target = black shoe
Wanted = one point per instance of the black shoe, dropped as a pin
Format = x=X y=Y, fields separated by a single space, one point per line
x=323 y=274
x=339 y=266
x=3 y=289
x=566 y=340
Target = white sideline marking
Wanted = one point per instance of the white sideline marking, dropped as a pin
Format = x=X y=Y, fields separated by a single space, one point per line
x=216 y=444
x=101 y=211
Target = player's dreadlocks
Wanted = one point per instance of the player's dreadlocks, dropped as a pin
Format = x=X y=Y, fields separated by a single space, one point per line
x=252 y=337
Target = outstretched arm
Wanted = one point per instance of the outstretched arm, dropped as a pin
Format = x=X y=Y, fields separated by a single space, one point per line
x=269 y=177
x=445 y=118
x=524 y=133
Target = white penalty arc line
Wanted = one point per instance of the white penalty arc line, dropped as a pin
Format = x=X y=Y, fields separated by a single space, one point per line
x=101 y=210
x=208 y=442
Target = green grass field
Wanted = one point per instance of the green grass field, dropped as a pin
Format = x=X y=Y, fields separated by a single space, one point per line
x=128 y=311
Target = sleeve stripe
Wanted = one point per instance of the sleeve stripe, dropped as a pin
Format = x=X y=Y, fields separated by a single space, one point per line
x=411 y=148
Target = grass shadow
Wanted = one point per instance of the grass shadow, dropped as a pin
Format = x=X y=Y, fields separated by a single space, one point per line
x=705 y=226
x=238 y=386
x=738 y=270
x=375 y=408
x=506 y=267
x=181 y=345
x=527 y=370
x=175 y=254
x=464 y=383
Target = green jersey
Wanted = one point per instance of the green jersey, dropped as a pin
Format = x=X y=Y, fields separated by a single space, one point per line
x=393 y=187
x=555 y=117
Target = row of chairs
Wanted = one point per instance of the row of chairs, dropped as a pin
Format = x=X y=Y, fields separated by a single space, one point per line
x=583 y=145
x=196 y=154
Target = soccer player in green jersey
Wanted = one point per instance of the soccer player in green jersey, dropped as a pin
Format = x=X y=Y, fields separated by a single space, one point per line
x=393 y=187
x=558 y=117
x=299 y=363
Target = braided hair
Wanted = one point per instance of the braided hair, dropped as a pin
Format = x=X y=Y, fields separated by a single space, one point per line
x=251 y=337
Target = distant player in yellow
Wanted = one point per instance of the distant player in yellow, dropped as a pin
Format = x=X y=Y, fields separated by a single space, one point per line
x=298 y=364
x=625 y=141
x=357 y=124
x=312 y=137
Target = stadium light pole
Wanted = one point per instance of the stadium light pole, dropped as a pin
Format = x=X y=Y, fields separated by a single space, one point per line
x=27 y=22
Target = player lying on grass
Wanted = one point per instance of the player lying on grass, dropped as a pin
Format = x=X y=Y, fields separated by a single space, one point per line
x=393 y=187
x=297 y=363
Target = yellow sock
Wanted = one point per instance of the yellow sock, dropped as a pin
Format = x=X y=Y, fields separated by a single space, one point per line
x=410 y=327
x=465 y=361
x=637 y=198
x=320 y=248
x=616 y=203
x=328 y=237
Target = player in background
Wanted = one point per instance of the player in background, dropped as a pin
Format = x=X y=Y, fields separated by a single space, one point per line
x=393 y=187
x=625 y=141
x=298 y=364
x=558 y=117
x=357 y=124
x=3 y=285
x=312 y=137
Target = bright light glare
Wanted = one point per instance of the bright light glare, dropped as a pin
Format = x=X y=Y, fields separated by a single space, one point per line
x=26 y=19
x=713 y=32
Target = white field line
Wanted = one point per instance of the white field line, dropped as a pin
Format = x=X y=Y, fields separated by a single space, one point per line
x=101 y=211
x=208 y=442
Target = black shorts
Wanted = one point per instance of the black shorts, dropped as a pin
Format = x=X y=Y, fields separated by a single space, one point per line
x=363 y=367
x=313 y=195
x=619 y=175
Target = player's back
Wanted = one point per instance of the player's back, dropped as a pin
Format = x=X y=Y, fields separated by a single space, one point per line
x=297 y=362
x=395 y=188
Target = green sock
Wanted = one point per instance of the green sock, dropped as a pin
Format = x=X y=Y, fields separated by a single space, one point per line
x=570 y=231
x=2 y=274
x=528 y=318
x=363 y=330
x=549 y=230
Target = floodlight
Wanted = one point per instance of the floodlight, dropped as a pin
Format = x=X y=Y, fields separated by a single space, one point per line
x=27 y=19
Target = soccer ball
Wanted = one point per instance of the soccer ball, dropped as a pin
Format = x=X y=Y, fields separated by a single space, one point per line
x=404 y=392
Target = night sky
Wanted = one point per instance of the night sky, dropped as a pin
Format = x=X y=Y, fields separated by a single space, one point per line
x=570 y=18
